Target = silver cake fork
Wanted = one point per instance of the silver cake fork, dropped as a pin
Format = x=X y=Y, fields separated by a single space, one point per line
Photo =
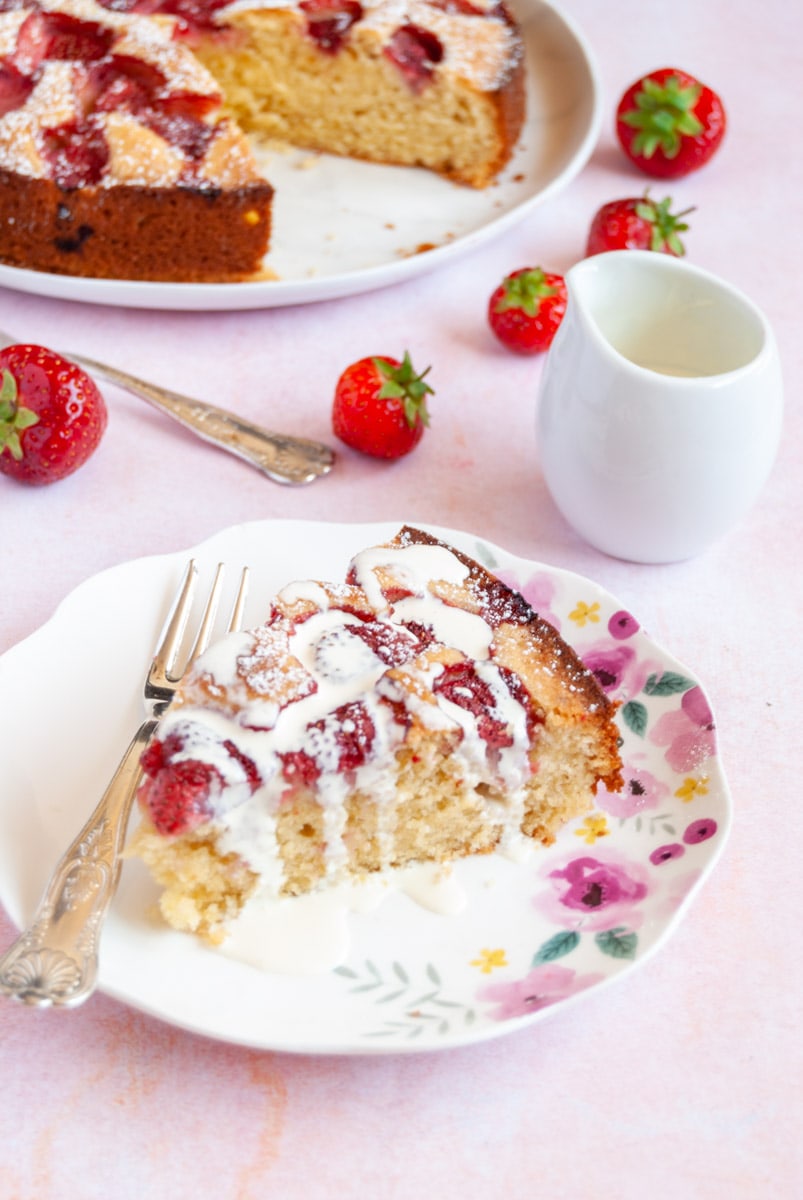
x=282 y=458
x=55 y=960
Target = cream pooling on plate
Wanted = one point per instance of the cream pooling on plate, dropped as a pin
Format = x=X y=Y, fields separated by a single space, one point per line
x=325 y=691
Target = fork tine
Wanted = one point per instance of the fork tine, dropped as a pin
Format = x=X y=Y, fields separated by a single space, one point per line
x=236 y=618
x=208 y=619
x=167 y=651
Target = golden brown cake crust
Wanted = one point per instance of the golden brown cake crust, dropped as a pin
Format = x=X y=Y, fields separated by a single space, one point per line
x=510 y=101
x=192 y=235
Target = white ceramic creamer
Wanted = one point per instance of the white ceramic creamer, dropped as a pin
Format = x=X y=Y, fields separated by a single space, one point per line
x=660 y=407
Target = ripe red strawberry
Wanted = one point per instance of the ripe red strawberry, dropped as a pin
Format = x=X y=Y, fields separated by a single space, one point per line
x=526 y=309
x=637 y=223
x=669 y=123
x=52 y=415
x=380 y=406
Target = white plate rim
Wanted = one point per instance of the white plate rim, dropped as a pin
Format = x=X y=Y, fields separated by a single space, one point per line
x=213 y=297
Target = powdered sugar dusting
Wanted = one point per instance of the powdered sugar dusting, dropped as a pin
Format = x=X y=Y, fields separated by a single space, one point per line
x=480 y=46
x=140 y=150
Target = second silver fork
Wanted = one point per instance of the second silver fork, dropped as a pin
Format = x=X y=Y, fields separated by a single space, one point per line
x=55 y=960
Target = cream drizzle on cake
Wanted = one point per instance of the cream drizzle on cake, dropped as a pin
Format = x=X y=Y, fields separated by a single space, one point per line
x=420 y=713
x=337 y=671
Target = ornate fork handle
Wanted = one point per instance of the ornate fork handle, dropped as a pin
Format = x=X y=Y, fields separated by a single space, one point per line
x=282 y=458
x=55 y=961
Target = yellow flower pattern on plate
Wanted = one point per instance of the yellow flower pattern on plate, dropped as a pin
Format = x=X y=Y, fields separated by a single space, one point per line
x=488 y=960
x=583 y=613
x=593 y=827
x=691 y=788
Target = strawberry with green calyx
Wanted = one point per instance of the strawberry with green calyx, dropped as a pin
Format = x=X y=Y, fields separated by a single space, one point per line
x=52 y=415
x=380 y=406
x=669 y=124
x=638 y=223
x=527 y=307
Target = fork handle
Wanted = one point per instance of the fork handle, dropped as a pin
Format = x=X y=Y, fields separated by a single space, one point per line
x=282 y=458
x=55 y=961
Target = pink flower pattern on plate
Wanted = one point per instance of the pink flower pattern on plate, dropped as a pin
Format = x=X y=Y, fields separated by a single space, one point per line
x=594 y=893
x=642 y=792
x=687 y=732
x=538 y=989
x=617 y=667
x=601 y=907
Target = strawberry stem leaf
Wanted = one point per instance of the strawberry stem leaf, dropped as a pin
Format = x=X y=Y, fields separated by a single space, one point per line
x=666 y=226
x=525 y=290
x=14 y=417
x=403 y=383
x=663 y=116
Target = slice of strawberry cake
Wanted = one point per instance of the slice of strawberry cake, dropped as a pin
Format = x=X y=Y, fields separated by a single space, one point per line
x=419 y=712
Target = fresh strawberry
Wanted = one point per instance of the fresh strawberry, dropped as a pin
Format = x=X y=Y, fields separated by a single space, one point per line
x=380 y=406
x=637 y=223
x=526 y=309
x=52 y=415
x=669 y=123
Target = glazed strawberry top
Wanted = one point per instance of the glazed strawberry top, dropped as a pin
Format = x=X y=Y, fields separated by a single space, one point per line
x=322 y=695
x=88 y=96
x=418 y=36
x=109 y=92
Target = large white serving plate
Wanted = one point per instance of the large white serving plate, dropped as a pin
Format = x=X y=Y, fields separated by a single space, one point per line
x=534 y=936
x=342 y=227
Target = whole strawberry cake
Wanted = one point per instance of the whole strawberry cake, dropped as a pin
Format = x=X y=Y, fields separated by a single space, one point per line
x=418 y=712
x=124 y=124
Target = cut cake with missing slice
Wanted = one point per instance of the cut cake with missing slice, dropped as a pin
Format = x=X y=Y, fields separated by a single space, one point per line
x=125 y=124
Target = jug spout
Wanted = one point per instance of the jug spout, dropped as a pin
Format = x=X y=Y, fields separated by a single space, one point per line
x=664 y=315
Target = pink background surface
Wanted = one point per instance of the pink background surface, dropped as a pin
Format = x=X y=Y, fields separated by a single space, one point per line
x=682 y=1080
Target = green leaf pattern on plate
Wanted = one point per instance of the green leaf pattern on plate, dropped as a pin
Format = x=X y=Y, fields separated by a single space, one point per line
x=420 y=1012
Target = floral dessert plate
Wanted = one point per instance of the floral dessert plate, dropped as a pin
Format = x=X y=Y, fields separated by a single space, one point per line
x=527 y=938
x=343 y=227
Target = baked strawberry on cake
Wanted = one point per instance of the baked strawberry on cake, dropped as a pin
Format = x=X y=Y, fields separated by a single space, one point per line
x=115 y=156
x=418 y=712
